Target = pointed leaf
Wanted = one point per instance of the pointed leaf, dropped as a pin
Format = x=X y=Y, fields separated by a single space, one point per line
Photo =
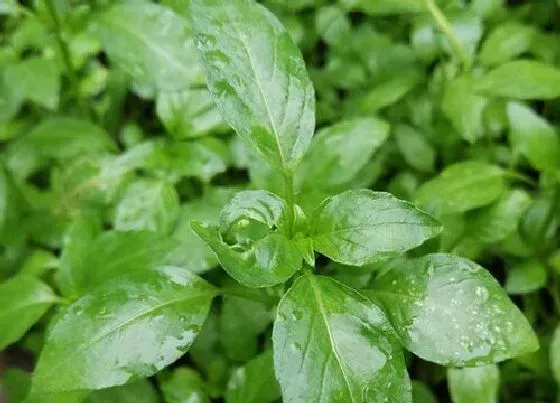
x=183 y=385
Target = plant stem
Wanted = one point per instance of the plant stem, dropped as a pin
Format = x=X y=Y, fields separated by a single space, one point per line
x=65 y=51
x=289 y=195
x=247 y=293
x=446 y=28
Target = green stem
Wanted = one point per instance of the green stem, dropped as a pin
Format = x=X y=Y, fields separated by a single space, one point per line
x=446 y=28
x=65 y=51
x=247 y=293
x=290 y=199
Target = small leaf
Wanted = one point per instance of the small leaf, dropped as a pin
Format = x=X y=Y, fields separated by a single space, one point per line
x=332 y=344
x=535 y=138
x=140 y=391
x=451 y=311
x=385 y=7
x=338 y=153
x=183 y=385
x=360 y=226
x=506 y=42
x=421 y=393
x=147 y=205
x=478 y=384
x=461 y=187
x=24 y=300
x=415 y=148
x=555 y=354
x=255 y=382
x=525 y=277
x=521 y=79
x=128 y=328
x=151 y=43
x=257 y=77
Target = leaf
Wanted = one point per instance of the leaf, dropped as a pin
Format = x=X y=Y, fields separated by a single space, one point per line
x=358 y=227
x=338 y=153
x=183 y=385
x=23 y=300
x=151 y=43
x=128 y=328
x=189 y=113
x=385 y=7
x=555 y=354
x=461 y=187
x=257 y=77
x=191 y=252
x=67 y=138
x=147 y=205
x=140 y=391
x=478 y=384
x=451 y=311
x=507 y=41
x=421 y=393
x=255 y=382
x=415 y=148
x=15 y=383
x=464 y=108
x=525 y=277
x=332 y=344
x=521 y=79
x=535 y=138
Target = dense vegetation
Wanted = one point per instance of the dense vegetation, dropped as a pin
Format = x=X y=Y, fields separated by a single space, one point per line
x=299 y=201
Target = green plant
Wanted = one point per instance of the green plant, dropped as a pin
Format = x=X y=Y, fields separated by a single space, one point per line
x=298 y=283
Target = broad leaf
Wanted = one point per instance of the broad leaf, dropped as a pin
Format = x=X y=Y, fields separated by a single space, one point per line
x=415 y=148
x=521 y=79
x=23 y=300
x=257 y=77
x=338 y=153
x=151 y=43
x=461 y=187
x=451 y=311
x=360 y=226
x=332 y=344
x=183 y=385
x=140 y=391
x=506 y=42
x=478 y=384
x=128 y=328
x=255 y=382
x=526 y=277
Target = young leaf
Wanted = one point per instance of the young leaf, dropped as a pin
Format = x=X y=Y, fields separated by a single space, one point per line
x=147 y=205
x=140 y=391
x=525 y=277
x=183 y=385
x=421 y=393
x=461 y=187
x=358 y=227
x=255 y=382
x=128 y=328
x=478 y=384
x=555 y=354
x=506 y=42
x=23 y=300
x=535 y=138
x=414 y=147
x=338 y=153
x=451 y=311
x=332 y=344
x=257 y=77
x=151 y=43
x=521 y=79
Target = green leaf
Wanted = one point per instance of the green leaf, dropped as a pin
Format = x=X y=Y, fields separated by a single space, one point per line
x=358 y=227
x=478 y=384
x=415 y=148
x=183 y=385
x=533 y=137
x=555 y=354
x=15 y=384
x=385 y=7
x=189 y=113
x=464 y=108
x=451 y=311
x=339 y=152
x=192 y=252
x=421 y=393
x=24 y=300
x=521 y=79
x=255 y=382
x=505 y=42
x=151 y=43
x=10 y=202
x=128 y=328
x=461 y=187
x=251 y=242
x=525 y=277
x=140 y=391
x=332 y=344
x=147 y=205
x=257 y=77
x=241 y=321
